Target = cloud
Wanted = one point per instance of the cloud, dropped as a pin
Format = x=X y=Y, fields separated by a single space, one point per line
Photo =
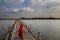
x=55 y=0
x=14 y=1
x=35 y=2
x=4 y=9
x=20 y=1
x=32 y=8
x=8 y=13
x=24 y=9
x=28 y=9
x=46 y=5
x=9 y=16
x=0 y=1
x=15 y=9
x=15 y=12
x=31 y=2
x=46 y=8
x=43 y=2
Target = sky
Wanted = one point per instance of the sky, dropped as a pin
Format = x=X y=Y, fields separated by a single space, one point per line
x=29 y=8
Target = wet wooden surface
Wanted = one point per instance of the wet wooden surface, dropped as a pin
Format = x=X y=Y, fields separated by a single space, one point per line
x=27 y=35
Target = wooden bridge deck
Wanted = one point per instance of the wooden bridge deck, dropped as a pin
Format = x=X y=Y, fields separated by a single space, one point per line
x=14 y=33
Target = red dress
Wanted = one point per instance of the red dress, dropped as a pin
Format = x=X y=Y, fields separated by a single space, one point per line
x=21 y=31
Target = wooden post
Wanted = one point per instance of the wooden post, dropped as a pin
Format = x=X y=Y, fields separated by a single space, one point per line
x=30 y=29
x=22 y=38
x=39 y=36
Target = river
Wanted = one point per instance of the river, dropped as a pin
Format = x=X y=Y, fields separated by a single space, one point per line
x=49 y=29
x=4 y=24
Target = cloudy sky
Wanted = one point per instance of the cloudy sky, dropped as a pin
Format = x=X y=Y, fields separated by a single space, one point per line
x=29 y=8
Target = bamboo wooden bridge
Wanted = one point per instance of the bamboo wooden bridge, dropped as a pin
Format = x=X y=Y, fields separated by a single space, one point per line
x=12 y=33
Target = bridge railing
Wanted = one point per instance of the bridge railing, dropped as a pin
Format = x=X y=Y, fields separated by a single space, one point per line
x=7 y=35
x=35 y=35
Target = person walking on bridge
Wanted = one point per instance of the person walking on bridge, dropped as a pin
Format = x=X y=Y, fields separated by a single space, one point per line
x=21 y=31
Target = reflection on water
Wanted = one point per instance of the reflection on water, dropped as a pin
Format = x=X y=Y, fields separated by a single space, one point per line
x=49 y=29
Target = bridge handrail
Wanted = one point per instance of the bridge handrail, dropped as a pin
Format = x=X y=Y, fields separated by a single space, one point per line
x=8 y=34
x=31 y=33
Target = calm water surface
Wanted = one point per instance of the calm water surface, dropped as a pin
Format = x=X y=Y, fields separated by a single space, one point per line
x=49 y=29
x=4 y=24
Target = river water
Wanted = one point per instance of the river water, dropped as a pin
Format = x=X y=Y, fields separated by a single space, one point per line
x=4 y=24
x=49 y=29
